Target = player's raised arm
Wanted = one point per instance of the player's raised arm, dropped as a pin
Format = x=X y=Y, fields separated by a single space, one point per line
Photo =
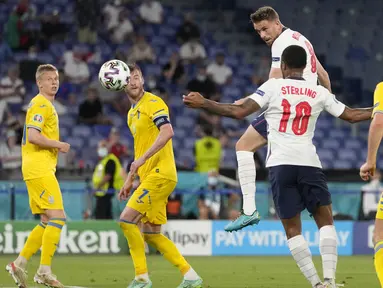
x=324 y=79
x=237 y=111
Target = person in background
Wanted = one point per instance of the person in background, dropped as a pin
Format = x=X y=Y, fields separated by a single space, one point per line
x=115 y=146
x=188 y=30
x=107 y=179
x=90 y=111
x=209 y=203
x=151 y=11
x=219 y=71
x=207 y=152
x=10 y=152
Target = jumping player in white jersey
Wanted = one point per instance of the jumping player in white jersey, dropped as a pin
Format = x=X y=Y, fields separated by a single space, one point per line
x=267 y=24
x=295 y=172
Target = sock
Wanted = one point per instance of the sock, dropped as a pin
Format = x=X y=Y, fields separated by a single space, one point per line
x=302 y=255
x=50 y=242
x=246 y=175
x=328 y=250
x=378 y=261
x=191 y=275
x=136 y=246
x=32 y=245
x=141 y=277
x=169 y=250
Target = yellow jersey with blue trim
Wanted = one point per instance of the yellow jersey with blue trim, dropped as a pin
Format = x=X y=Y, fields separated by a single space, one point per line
x=145 y=119
x=378 y=99
x=38 y=162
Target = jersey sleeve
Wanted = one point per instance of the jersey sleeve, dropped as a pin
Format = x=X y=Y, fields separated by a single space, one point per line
x=332 y=105
x=37 y=115
x=263 y=94
x=378 y=99
x=159 y=112
x=276 y=54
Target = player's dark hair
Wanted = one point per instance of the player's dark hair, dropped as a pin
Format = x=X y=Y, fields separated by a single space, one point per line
x=295 y=57
x=264 y=13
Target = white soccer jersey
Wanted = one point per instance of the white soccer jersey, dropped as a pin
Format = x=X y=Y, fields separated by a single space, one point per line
x=293 y=107
x=288 y=38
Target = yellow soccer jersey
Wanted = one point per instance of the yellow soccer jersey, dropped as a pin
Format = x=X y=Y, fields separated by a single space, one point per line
x=144 y=121
x=37 y=161
x=378 y=99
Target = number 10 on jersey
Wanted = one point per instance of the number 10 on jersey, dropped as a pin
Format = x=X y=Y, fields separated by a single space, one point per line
x=301 y=120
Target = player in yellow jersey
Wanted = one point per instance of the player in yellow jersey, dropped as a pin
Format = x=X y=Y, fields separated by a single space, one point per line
x=375 y=136
x=40 y=147
x=148 y=120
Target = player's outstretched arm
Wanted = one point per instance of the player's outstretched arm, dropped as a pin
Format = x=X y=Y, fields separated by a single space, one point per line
x=354 y=115
x=247 y=107
x=36 y=138
x=324 y=79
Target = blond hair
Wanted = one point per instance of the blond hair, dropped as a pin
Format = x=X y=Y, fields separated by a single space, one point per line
x=44 y=68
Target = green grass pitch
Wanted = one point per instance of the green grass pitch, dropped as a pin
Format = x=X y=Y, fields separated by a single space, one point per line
x=217 y=272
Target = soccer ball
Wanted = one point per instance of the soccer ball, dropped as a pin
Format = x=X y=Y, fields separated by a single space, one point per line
x=114 y=75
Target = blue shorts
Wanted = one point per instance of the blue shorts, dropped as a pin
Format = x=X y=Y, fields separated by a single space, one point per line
x=296 y=188
x=260 y=125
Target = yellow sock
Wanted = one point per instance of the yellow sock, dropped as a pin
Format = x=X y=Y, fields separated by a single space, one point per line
x=51 y=240
x=34 y=241
x=379 y=261
x=136 y=246
x=168 y=249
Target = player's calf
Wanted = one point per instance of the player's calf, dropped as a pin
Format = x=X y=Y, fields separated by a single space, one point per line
x=327 y=241
x=154 y=237
x=300 y=250
x=245 y=148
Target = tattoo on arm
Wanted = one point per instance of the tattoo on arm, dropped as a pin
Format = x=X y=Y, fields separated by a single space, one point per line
x=248 y=107
x=357 y=114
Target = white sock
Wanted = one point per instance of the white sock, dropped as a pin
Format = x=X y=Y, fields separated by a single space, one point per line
x=44 y=269
x=191 y=275
x=328 y=250
x=246 y=175
x=21 y=262
x=141 y=277
x=302 y=255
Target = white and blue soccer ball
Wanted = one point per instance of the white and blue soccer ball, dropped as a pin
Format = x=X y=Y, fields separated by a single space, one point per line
x=114 y=75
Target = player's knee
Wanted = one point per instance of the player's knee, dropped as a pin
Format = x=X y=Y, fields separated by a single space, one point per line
x=243 y=145
x=292 y=232
x=50 y=214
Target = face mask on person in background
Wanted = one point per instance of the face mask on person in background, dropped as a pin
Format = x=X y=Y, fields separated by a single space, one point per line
x=151 y=83
x=212 y=181
x=102 y=152
x=32 y=55
x=201 y=77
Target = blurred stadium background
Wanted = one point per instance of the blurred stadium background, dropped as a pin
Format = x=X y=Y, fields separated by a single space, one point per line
x=178 y=45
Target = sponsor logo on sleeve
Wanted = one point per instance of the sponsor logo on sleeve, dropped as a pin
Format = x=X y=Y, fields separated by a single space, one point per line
x=260 y=92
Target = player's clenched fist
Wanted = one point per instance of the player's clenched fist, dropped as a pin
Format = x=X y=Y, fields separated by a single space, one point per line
x=367 y=170
x=194 y=100
x=64 y=147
